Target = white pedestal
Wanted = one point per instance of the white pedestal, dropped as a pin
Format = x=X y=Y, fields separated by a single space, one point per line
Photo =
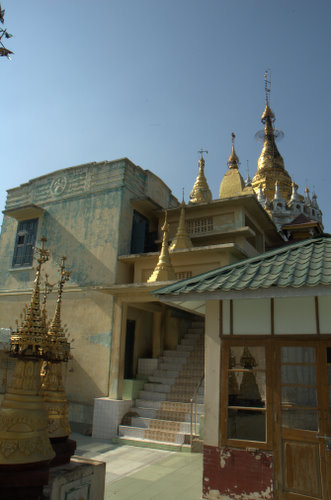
x=107 y=416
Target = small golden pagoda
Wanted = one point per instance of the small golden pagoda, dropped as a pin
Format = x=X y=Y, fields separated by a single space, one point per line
x=201 y=192
x=232 y=184
x=181 y=240
x=270 y=166
x=23 y=416
x=163 y=270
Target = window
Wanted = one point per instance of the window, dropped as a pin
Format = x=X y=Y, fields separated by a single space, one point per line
x=24 y=244
x=244 y=401
x=200 y=226
x=183 y=275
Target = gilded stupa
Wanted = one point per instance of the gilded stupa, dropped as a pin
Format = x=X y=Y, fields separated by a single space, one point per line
x=200 y=192
x=182 y=240
x=163 y=270
x=24 y=436
x=272 y=184
x=232 y=184
x=270 y=165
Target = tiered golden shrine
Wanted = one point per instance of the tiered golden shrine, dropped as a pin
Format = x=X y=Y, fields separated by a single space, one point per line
x=28 y=411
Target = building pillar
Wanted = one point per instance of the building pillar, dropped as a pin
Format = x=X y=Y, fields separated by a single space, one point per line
x=117 y=350
x=157 y=334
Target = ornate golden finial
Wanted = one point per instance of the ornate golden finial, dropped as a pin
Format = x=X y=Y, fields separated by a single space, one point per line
x=182 y=239
x=267 y=86
x=29 y=339
x=47 y=289
x=201 y=192
x=60 y=347
x=233 y=158
x=163 y=270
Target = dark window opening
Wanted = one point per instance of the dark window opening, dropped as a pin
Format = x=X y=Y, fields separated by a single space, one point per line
x=24 y=244
x=142 y=239
x=129 y=349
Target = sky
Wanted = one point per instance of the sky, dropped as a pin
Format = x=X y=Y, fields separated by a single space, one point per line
x=156 y=80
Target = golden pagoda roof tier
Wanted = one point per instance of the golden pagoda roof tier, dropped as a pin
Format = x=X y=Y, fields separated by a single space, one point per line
x=201 y=192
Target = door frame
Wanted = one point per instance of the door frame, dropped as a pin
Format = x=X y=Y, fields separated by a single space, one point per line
x=318 y=437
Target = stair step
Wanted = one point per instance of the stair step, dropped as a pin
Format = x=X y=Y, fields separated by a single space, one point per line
x=171 y=366
x=161 y=425
x=167 y=373
x=185 y=348
x=152 y=395
x=157 y=387
x=159 y=414
x=175 y=354
x=149 y=443
x=148 y=404
x=161 y=379
x=154 y=435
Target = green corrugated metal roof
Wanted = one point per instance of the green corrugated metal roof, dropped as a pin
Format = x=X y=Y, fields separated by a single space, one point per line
x=307 y=263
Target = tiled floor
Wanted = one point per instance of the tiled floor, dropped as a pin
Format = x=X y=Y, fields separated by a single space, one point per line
x=145 y=473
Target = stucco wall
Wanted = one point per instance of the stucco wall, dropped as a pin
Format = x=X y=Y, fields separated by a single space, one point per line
x=86 y=216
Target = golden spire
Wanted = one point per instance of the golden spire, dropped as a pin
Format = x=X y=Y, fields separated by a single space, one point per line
x=29 y=339
x=271 y=167
x=163 y=270
x=53 y=389
x=182 y=239
x=201 y=192
x=232 y=184
x=60 y=346
x=233 y=158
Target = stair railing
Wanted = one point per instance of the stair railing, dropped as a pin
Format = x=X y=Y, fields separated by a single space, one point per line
x=194 y=413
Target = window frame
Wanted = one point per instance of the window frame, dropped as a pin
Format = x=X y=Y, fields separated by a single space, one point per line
x=18 y=263
x=224 y=406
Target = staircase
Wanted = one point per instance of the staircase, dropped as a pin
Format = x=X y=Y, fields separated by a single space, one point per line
x=162 y=414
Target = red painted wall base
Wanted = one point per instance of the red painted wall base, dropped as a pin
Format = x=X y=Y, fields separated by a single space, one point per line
x=232 y=473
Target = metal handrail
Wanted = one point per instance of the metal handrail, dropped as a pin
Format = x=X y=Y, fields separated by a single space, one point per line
x=193 y=403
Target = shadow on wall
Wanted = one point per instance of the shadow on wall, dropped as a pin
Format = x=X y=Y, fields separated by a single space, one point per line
x=85 y=267
x=80 y=387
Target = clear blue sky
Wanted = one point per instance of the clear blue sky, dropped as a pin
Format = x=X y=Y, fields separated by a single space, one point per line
x=154 y=80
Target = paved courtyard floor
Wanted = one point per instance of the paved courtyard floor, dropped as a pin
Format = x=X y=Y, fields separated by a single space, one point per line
x=144 y=473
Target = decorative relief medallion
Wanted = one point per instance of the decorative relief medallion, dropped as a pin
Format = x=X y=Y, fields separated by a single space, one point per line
x=58 y=185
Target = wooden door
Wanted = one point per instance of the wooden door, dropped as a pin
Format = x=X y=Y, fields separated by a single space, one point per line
x=302 y=421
